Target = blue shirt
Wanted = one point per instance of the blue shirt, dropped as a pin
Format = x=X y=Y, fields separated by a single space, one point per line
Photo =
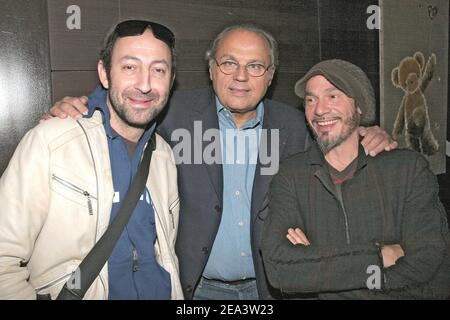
x=133 y=272
x=231 y=255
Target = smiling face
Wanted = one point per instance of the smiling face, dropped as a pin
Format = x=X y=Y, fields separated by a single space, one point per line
x=139 y=81
x=239 y=92
x=330 y=113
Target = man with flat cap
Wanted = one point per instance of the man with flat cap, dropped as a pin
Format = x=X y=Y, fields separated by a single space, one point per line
x=347 y=226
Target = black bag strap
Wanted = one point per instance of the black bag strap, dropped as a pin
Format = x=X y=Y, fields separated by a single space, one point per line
x=93 y=263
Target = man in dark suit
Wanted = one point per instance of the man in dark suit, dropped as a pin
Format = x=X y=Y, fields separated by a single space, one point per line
x=223 y=201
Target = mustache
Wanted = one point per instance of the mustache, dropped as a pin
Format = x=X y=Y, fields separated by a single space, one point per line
x=326 y=117
x=152 y=95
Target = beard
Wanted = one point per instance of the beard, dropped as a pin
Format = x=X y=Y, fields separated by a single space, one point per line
x=132 y=117
x=327 y=142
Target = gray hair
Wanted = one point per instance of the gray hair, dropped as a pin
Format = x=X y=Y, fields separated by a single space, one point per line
x=273 y=45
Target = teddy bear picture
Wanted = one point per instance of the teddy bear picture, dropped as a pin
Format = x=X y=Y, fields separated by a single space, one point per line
x=413 y=76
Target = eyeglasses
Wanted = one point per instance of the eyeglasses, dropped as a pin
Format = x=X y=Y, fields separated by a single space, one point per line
x=254 y=69
x=137 y=27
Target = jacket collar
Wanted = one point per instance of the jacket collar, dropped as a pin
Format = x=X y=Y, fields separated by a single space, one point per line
x=316 y=157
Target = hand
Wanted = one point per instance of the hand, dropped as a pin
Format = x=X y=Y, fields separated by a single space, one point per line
x=297 y=237
x=74 y=107
x=376 y=140
x=391 y=253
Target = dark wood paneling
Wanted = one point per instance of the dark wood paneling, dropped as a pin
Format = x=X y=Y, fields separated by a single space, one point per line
x=186 y=80
x=195 y=23
x=344 y=35
x=24 y=71
x=79 y=49
x=282 y=88
x=359 y=48
x=73 y=83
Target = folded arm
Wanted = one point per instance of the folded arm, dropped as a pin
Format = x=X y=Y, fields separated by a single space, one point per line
x=311 y=268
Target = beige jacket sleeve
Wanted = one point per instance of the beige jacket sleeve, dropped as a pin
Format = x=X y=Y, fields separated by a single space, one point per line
x=24 y=197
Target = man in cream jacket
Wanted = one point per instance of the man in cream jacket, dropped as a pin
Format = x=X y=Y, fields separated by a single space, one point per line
x=67 y=178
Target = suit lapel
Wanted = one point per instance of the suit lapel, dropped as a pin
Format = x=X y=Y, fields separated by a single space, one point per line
x=205 y=112
x=261 y=182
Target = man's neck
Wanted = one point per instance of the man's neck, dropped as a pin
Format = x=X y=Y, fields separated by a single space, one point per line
x=241 y=118
x=341 y=156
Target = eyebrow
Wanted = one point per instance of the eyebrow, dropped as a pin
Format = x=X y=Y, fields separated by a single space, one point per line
x=230 y=57
x=128 y=57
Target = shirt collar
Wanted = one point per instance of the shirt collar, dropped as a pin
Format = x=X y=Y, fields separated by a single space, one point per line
x=222 y=112
x=97 y=101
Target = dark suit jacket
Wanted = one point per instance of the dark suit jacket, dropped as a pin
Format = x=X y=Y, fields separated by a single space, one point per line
x=201 y=185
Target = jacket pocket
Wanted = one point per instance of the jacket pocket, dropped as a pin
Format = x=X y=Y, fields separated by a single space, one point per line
x=73 y=192
x=53 y=285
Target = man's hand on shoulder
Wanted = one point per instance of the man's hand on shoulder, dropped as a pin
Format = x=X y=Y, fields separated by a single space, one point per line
x=376 y=140
x=74 y=107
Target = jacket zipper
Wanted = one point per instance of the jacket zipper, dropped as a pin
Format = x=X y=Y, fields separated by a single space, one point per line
x=53 y=282
x=347 y=232
x=102 y=281
x=159 y=219
x=173 y=205
x=78 y=190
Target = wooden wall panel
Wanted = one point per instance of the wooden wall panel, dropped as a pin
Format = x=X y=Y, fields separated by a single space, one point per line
x=73 y=83
x=79 y=49
x=195 y=24
x=344 y=35
x=282 y=88
x=24 y=71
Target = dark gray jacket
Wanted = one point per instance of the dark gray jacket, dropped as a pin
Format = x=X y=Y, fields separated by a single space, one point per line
x=200 y=186
x=392 y=199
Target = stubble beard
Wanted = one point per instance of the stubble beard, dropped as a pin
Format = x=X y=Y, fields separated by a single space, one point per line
x=139 y=119
x=327 y=143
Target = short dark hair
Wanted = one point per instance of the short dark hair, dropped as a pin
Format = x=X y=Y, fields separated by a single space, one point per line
x=134 y=28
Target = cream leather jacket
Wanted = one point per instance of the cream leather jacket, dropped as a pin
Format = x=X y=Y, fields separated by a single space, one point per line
x=55 y=203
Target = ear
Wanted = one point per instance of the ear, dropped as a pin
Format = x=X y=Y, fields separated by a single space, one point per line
x=210 y=69
x=102 y=75
x=395 y=77
x=172 y=81
x=272 y=73
x=418 y=56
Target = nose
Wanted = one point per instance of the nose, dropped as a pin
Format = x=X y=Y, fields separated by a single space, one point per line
x=241 y=74
x=143 y=82
x=322 y=107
